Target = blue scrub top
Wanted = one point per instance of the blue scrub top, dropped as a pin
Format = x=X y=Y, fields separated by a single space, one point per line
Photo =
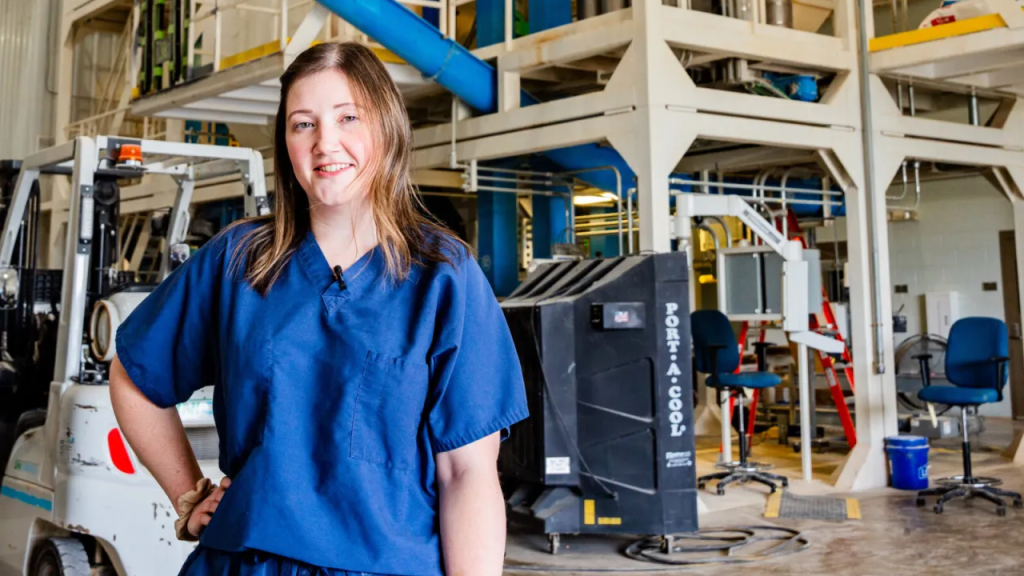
x=331 y=403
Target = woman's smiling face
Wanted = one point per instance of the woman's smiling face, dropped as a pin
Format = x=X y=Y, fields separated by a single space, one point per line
x=329 y=141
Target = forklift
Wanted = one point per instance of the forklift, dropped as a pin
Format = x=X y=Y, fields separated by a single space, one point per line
x=75 y=499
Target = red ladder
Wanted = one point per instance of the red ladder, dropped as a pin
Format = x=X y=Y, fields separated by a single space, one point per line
x=827 y=363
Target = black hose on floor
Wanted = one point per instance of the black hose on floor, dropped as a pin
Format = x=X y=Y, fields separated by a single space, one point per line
x=720 y=539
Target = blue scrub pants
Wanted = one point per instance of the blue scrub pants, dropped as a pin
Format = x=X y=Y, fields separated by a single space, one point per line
x=209 y=562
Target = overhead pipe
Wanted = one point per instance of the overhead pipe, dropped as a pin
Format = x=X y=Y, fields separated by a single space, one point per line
x=472 y=80
x=899 y=104
x=785 y=220
x=587 y=9
x=760 y=188
x=779 y=13
x=903 y=193
x=617 y=191
x=867 y=136
x=714 y=235
x=629 y=215
x=721 y=222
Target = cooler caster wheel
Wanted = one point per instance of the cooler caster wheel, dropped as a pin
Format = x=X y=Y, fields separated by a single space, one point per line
x=1001 y=511
x=920 y=501
x=938 y=508
x=554 y=543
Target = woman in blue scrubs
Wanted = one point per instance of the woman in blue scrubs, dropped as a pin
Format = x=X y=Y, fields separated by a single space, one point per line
x=363 y=371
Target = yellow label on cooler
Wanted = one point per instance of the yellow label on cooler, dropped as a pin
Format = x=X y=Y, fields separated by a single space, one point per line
x=610 y=521
x=588 y=512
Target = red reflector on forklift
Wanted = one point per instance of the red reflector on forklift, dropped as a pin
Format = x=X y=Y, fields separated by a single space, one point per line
x=119 y=452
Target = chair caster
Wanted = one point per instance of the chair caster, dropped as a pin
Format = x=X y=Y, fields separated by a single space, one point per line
x=701 y=485
x=920 y=501
x=720 y=490
x=938 y=508
x=1018 y=503
x=785 y=483
x=1001 y=510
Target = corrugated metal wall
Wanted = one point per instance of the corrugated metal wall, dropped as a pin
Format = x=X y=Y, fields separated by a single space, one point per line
x=26 y=99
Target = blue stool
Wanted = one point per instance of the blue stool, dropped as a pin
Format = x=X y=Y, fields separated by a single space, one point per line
x=976 y=365
x=716 y=353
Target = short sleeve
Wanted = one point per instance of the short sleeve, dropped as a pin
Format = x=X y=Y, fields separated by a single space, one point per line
x=168 y=344
x=478 y=382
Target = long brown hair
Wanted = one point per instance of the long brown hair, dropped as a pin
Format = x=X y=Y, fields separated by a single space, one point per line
x=404 y=234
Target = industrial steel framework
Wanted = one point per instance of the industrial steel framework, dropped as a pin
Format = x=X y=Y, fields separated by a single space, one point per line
x=975 y=59
x=642 y=103
x=651 y=112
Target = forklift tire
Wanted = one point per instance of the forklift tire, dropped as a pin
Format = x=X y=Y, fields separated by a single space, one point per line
x=60 y=557
x=29 y=420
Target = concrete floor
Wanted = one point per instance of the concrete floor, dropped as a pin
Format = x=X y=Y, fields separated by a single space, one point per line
x=893 y=536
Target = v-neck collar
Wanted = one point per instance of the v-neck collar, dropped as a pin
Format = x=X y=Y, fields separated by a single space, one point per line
x=361 y=274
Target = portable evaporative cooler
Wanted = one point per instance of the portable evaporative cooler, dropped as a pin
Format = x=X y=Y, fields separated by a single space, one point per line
x=609 y=446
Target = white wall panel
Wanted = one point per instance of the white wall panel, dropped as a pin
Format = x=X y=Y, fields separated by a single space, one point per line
x=952 y=247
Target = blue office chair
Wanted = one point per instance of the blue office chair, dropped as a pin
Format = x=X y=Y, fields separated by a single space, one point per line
x=977 y=357
x=716 y=353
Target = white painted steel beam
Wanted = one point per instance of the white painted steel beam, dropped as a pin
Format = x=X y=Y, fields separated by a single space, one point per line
x=566 y=110
x=532 y=41
x=207 y=115
x=88 y=9
x=996 y=79
x=1006 y=134
x=570 y=48
x=234 y=78
x=738 y=38
x=259 y=93
x=951 y=57
x=248 y=107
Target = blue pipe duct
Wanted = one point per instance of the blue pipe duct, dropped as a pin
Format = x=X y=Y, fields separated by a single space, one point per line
x=474 y=81
x=416 y=41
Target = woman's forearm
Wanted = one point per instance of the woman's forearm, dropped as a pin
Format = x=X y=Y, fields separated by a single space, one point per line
x=155 y=434
x=473 y=525
x=472 y=510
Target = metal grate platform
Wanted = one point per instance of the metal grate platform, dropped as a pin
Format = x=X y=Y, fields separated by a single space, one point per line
x=782 y=504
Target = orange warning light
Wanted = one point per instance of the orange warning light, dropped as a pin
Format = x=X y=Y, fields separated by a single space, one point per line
x=130 y=153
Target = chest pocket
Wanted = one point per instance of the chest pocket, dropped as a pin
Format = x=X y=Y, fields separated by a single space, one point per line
x=389 y=411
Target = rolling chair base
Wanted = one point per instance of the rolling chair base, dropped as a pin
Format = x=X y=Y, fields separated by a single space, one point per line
x=742 y=472
x=975 y=481
x=971 y=488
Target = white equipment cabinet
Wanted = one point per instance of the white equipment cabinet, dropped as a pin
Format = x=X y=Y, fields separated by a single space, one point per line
x=942 y=310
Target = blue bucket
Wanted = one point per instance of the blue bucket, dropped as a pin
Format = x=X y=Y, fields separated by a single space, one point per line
x=908 y=462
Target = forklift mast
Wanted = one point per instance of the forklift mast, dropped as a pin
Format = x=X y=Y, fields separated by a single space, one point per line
x=91 y=245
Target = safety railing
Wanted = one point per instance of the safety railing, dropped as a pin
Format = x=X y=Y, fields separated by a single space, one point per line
x=283 y=20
